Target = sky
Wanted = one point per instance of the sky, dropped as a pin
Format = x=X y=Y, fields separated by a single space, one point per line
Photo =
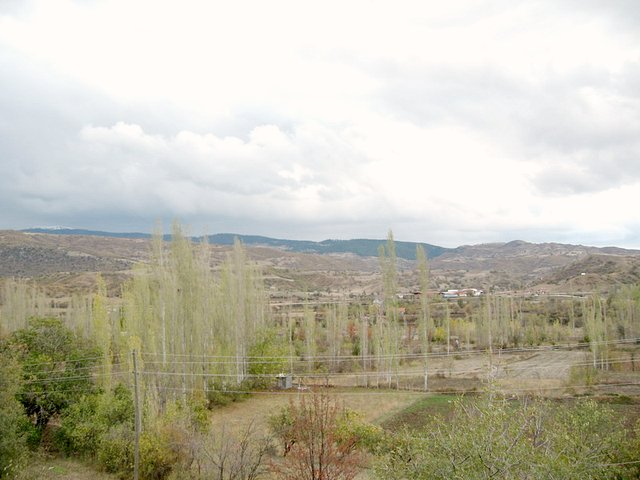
x=449 y=123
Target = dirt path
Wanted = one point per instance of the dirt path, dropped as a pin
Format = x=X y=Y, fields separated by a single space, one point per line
x=551 y=364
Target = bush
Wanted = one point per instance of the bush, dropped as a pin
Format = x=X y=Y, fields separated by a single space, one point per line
x=115 y=454
x=317 y=440
x=164 y=444
x=54 y=365
x=501 y=439
x=219 y=395
x=84 y=423
x=14 y=425
x=158 y=454
x=272 y=349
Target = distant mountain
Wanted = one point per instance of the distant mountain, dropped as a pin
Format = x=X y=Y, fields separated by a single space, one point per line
x=66 y=260
x=361 y=247
x=80 y=231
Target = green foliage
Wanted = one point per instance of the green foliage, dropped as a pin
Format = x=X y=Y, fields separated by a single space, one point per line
x=86 y=422
x=267 y=357
x=630 y=453
x=177 y=308
x=218 y=395
x=13 y=423
x=281 y=424
x=56 y=367
x=496 y=438
x=157 y=455
x=102 y=425
x=116 y=451
x=164 y=443
x=351 y=427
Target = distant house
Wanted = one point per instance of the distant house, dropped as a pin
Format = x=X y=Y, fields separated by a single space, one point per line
x=450 y=294
x=464 y=292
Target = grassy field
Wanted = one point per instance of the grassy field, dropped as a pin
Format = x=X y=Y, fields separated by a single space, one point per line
x=48 y=467
x=375 y=405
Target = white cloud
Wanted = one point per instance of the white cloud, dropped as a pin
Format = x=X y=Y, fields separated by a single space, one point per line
x=452 y=123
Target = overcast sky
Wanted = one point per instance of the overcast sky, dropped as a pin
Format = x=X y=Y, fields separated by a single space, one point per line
x=479 y=121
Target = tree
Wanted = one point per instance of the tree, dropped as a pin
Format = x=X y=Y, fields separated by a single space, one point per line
x=389 y=335
x=13 y=446
x=56 y=367
x=102 y=331
x=19 y=301
x=229 y=456
x=267 y=357
x=501 y=439
x=316 y=448
x=426 y=323
x=183 y=316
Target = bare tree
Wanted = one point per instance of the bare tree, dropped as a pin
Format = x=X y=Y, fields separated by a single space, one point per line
x=226 y=456
x=314 y=450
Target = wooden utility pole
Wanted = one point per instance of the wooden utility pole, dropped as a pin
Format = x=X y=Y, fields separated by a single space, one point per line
x=136 y=451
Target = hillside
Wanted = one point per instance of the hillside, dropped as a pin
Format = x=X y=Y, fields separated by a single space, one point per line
x=68 y=262
x=360 y=247
x=520 y=264
x=595 y=270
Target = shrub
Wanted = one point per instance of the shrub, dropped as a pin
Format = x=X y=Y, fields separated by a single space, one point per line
x=219 y=395
x=54 y=362
x=157 y=457
x=14 y=425
x=166 y=442
x=115 y=454
x=317 y=445
x=84 y=423
x=500 y=439
x=268 y=358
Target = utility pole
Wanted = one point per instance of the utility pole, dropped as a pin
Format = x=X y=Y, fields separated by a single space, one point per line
x=136 y=451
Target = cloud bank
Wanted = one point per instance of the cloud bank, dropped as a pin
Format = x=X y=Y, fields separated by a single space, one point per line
x=480 y=121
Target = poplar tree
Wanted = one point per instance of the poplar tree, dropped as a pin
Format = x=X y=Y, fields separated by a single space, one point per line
x=183 y=316
x=310 y=345
x=102 y=332
x=425 y=327
x=389 y=340
x=20 y=301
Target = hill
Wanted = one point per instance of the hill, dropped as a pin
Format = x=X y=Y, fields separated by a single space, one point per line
x=360 y=247
x=519 y=264
x=67 y=260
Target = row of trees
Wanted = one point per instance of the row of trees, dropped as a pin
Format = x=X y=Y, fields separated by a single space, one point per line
x=195 y=330
x=198 y=328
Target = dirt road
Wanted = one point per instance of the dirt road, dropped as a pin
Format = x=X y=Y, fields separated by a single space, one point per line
x=551 y=364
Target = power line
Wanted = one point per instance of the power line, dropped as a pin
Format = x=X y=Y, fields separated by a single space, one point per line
x=66 y=360
x=261 y=358
x=370 y=391
x=64 y=379
x=97 y=366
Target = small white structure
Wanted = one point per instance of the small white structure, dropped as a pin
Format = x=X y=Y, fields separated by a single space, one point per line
x=464 y=292
x=285 y=381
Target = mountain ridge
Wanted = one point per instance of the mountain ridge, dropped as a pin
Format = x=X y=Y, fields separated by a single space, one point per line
x=358 y=246
x=64 y=259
